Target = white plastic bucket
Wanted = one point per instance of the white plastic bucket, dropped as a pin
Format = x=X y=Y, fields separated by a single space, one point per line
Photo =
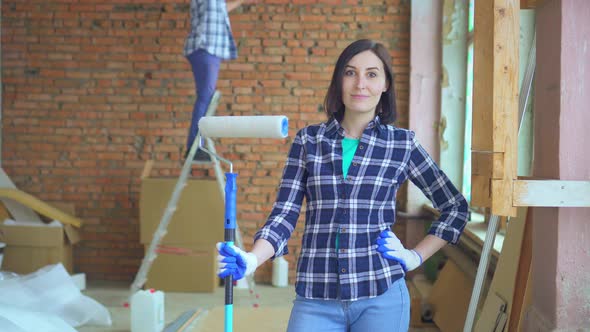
x=147 y=311
x=280 y=272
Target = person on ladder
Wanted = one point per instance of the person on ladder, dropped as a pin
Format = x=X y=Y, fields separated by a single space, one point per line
x=350 y=274
x=209 y=42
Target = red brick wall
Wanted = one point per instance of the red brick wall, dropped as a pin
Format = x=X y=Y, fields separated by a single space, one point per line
x=92 y=89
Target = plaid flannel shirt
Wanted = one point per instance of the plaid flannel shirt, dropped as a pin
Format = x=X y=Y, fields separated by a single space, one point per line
x=210 y=30
x=358 y=207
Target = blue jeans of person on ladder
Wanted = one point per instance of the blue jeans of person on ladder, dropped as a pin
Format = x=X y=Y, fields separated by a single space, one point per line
x=205 y=68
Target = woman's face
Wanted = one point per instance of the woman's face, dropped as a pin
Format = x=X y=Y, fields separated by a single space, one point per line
x=363 y=82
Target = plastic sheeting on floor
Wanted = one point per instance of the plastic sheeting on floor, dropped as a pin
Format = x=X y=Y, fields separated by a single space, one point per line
x=18 y=320
x=48 y=292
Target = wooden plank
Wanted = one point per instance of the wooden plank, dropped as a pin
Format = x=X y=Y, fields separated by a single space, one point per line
x=4 y=213
x=481 y=192
x=505 y=103
x=495 y=309
x=495 y=104
x=505 y=75
x=483 y=89
x=487 y=163
x=527 y=302
x=554 y=193
x=18 y=211
x=504 y=281
x=481 y=163
x=523 y=285
x=40 y=206
x=147 y=169
x=501 y=201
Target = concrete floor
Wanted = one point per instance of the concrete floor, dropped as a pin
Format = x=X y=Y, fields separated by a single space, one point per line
x=114 y=295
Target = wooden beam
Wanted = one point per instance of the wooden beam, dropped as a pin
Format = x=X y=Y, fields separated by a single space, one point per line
x=495 y=104
x=481 y=163
x=39 y=206
x=521 y=298
x=487 y=163
x=483 y=47
x=505 y=103
x=481 y=192
x=554 y=193
x=481 y=170
x=481 y=145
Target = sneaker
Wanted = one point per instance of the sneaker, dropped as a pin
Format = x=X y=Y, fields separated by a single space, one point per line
x=200 y=157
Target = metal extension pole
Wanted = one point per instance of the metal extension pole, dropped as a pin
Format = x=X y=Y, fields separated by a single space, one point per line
x=221 y=183
x=481 y=271
x=231 y=190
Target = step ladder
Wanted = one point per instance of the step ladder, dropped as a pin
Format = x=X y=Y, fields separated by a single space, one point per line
x=151 y=254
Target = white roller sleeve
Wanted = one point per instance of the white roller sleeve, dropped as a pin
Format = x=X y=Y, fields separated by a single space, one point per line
x=244 y=126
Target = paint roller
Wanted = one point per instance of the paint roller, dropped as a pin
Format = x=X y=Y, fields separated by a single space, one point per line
x=244 y=126
x=237 y=127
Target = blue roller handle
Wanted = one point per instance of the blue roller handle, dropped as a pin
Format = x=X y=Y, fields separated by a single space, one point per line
x=231 y=192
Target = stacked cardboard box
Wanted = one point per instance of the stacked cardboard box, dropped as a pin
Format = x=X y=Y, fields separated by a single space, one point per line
x=187 y=261
x=31 y=247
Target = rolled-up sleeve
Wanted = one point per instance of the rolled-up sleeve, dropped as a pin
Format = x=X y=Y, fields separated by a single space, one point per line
x=283 y=218
x=445 y=197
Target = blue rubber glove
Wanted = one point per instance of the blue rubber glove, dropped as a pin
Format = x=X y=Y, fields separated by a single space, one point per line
x=391 y=247
x=234 y=261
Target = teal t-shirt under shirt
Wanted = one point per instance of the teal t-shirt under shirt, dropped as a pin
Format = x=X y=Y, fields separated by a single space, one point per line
x=349 y=146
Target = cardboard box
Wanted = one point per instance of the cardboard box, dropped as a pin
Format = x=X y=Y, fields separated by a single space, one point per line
x=29 y=248
x=194 y=271
x=199 y=215
x=450 y=297
x=196 y=225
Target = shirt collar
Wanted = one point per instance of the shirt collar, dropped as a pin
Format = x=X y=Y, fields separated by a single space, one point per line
x=334 y=128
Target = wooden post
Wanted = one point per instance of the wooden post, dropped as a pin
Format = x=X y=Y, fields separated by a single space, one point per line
x=495 y=105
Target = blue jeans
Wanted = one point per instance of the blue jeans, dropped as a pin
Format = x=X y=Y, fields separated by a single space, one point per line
x=205 y=72
x=389 y=312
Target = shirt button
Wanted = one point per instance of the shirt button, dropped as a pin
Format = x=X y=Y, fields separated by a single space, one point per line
x=343 y=270
x=342 y=251
x=361 y=147
x=343 y=230
x=355 y=164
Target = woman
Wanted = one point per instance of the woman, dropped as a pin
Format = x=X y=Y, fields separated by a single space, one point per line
x=350 y=274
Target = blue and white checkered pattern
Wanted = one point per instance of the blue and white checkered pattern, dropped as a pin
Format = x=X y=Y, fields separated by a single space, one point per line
x=210 y=30
x=359 y=207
